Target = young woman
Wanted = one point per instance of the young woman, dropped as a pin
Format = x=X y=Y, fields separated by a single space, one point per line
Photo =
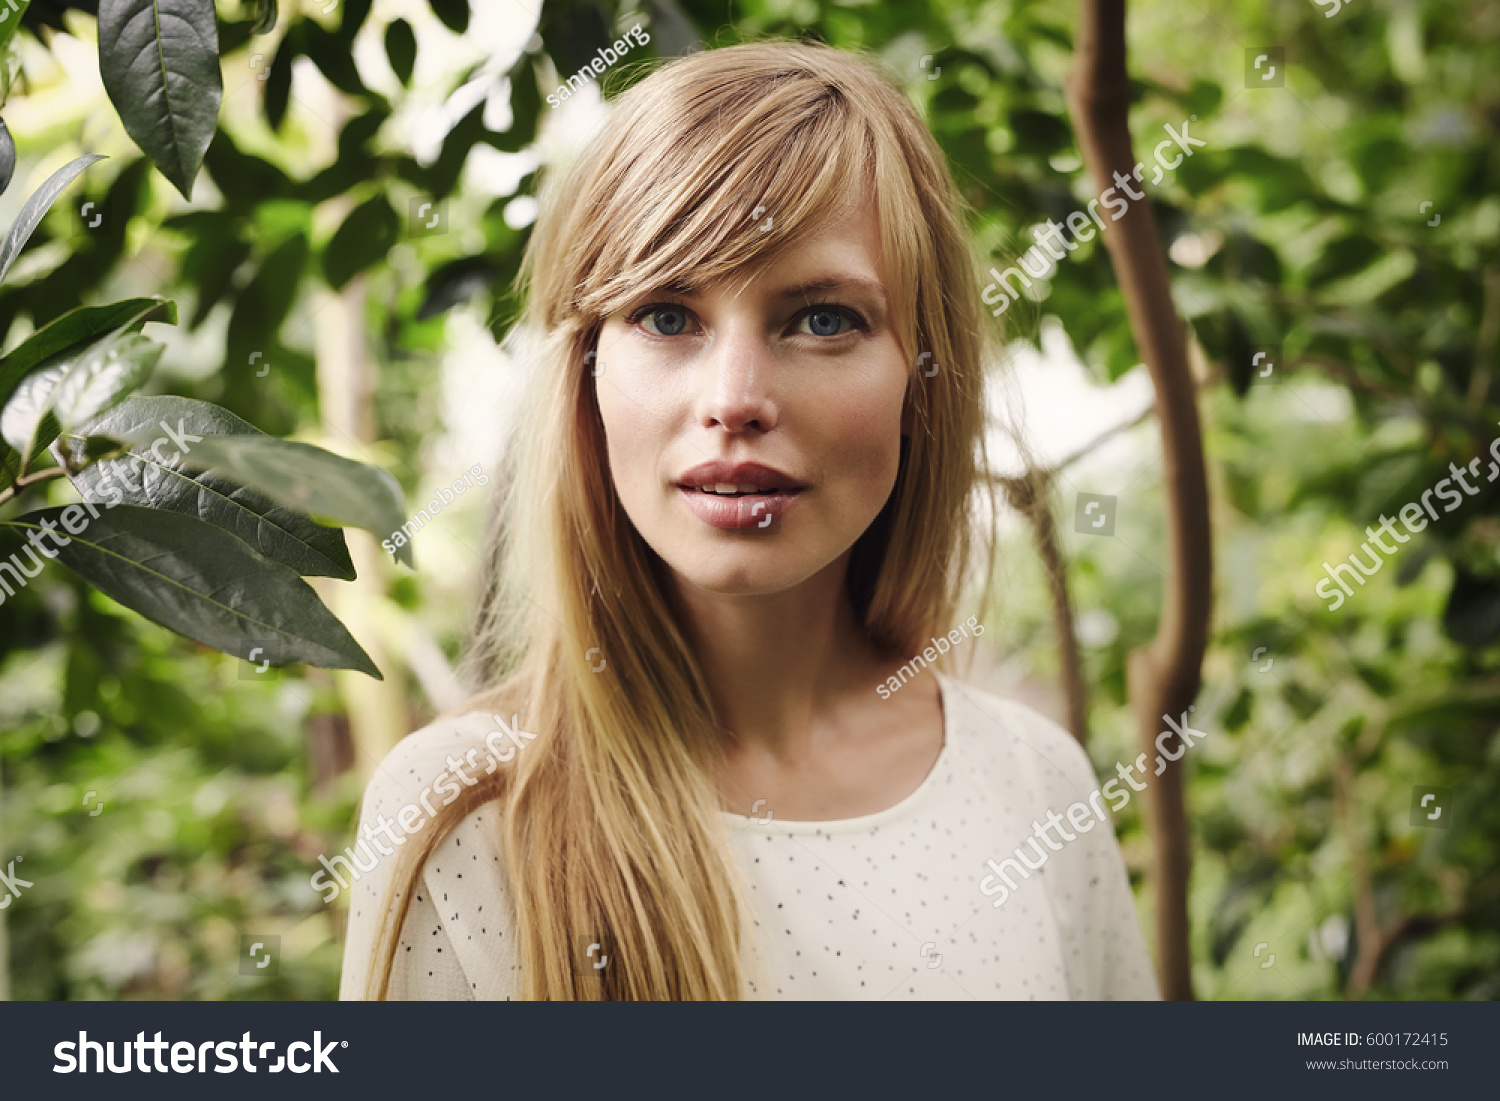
x=716 y=761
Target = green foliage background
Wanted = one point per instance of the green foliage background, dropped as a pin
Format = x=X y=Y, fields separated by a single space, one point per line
x=1308 y=197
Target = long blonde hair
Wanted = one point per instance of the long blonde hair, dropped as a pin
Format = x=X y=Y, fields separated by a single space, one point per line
x=611 y=820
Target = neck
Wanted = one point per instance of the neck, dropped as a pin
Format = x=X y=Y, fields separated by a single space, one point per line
x=775 y=661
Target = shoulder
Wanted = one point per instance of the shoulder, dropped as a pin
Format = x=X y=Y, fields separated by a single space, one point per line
x=1005 y=737
x=462 y=874
x=426 y=758
x=449 y=753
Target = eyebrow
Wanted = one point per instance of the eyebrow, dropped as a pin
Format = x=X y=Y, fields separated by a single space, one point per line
x=803 y=289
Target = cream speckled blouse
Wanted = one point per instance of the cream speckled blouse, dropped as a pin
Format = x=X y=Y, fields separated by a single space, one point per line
x=898 y=904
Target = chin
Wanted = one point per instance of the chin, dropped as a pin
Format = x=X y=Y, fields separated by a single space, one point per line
x=743 y=570
x=743 y=582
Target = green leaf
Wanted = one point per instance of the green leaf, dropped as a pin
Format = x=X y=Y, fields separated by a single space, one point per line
x=31 y=213
x=525 y=108
x=457 y=280
x=573 y=33
x=279 y=77
x=234 y=35
x=332 y=56
x=162 y=479
x=453 y=14
x=401 y=50
x=351 y=19
x=1472 y=614
x=76 y=388
x=160 y=64
x=326 y=486
x=198 y=580
x=209 y=264
x=244 y=179
x=16 y=8
x=364 y=239
x=264 y=302
x=75 y=329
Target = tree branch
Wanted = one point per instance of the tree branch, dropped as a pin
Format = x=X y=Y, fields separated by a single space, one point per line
x=1164 y=676
x=1028 y=495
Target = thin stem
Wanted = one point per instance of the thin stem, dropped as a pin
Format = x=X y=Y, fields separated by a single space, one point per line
x=31 y=479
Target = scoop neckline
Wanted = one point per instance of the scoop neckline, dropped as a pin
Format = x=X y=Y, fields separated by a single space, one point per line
x=896 y=810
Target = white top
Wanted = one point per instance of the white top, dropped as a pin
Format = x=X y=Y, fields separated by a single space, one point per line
x=897 y=904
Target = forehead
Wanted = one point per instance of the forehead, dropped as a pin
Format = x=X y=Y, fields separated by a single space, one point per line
x=842 y=256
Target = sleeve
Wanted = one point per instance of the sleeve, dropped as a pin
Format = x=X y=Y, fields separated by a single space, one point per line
x=1126 y=973
x=456 y=941
x=426 y=968
x=1088 y=881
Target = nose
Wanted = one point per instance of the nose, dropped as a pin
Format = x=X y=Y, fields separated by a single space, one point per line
x=736 y=382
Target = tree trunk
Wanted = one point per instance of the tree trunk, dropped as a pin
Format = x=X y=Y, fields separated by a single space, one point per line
x=1163 y=677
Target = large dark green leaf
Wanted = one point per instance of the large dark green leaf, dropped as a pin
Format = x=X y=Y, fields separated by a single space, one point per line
x=77 y=386
x=75 y=329
x=303 y=477
x=198 y=580
x=31 y=213
x=160 y=64
x=365 y=237
x=162 y=479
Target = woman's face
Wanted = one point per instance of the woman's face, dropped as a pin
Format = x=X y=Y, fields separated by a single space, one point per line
x=785 y=402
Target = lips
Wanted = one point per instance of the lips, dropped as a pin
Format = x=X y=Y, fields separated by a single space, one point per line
x=738 y=495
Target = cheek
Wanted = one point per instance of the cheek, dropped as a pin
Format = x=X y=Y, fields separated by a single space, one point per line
x=640 y=416
x=861 y=434
x=627 y=431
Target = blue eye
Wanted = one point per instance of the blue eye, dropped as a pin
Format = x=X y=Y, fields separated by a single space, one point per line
x=826 y=322
x=670 y=320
